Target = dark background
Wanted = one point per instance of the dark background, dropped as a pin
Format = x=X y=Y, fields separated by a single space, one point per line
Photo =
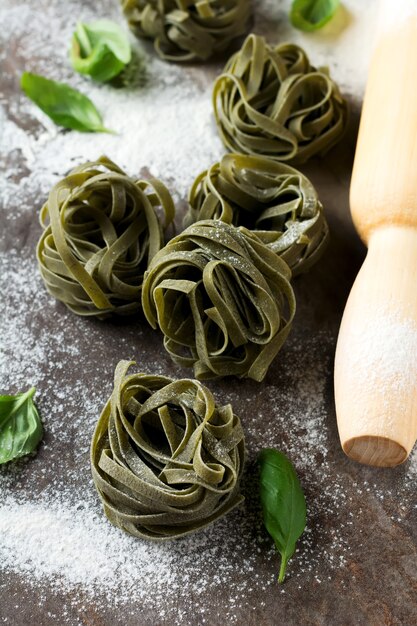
x=355 y=565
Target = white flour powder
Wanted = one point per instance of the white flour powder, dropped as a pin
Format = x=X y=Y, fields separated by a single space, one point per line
x=166 y=125
x=389 y=19
x=53 y=530
x=381 y=356
x=58 y=535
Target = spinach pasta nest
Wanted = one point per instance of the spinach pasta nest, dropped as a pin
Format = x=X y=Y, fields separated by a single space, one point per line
x=166 y=460
x=271 y=102
x=222 y=299
x=186 y=30
x=273 y=200
x=101 y=229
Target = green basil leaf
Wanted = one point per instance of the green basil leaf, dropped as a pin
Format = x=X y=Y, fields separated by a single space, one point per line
x=309 y=15
x=20 y=426
x=283 y=503
x=66 y=106
x=100 y=50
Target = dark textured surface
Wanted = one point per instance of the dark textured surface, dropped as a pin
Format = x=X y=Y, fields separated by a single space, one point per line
x=364 y=517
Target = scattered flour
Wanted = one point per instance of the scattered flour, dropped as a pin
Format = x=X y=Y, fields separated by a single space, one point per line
x=344 y=45
x=71 y=544
x=54 y=531
x=51 y=525
x=389 y=19
x=164 y=125
x=380 y=355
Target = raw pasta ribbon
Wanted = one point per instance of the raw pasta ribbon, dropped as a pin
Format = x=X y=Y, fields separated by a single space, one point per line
x=166 y=460
x=222 y=299
x=271 y=102
x=186 y=30
x=273 y=200
x=101 y=230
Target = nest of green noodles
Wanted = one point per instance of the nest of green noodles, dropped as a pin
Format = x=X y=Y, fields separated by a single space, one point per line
x=166 y=459
x=273 y=200
x=101 y=230
x=222 y=299
x=270 y=101
x=186 y=30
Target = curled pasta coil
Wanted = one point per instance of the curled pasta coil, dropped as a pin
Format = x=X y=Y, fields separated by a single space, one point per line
x=101 y=230
x=273 y=200
x=270 y=101
x=166 y=460
x=222 y=299
x=185 y=30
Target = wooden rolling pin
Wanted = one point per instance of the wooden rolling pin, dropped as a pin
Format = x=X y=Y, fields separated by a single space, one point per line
x=376 y=354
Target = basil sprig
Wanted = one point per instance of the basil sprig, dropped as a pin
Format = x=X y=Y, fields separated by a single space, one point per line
x=20 y=426
x=283 y=503
x=66 y=106
x=310 y=15
x=100 y=50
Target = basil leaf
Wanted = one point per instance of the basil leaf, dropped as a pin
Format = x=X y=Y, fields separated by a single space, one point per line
x=310 y=15
x=100 y=49
x=20 y=426
x=283 y=503
x=66 y=106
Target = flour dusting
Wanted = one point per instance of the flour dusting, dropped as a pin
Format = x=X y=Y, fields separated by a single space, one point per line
x=53 y=532
x=71 y=543
x=380 y=362
x=56 y=532
x=389 y=20
x=165 y=124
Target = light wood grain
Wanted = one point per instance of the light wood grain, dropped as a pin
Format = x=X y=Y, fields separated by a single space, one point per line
x=376 y=356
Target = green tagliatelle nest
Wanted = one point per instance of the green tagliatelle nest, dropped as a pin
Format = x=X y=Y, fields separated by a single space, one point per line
x=101 y=230
x=271 y=102
x=271 y=199
x=222 y=299
x=185 y=30
x=166 y=460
